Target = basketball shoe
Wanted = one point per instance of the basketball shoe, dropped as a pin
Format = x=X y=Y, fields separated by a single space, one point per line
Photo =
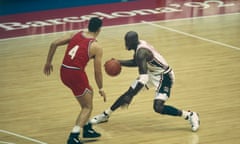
x=73 y=139
x=89 y=132
x=194 y=120
x=101 y=118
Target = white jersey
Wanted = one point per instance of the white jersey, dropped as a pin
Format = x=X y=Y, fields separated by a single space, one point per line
x=157 y=66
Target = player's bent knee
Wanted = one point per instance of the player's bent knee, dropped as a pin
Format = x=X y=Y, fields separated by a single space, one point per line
x=158 y=106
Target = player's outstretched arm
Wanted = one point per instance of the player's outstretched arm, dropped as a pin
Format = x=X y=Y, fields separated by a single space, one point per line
x=48 y=68
x=128 y=63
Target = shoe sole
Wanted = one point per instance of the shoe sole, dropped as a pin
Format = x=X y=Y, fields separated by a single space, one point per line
x=84 y=139
x=100 y=122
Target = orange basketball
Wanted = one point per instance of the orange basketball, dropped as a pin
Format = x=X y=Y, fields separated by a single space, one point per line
x=112 y=67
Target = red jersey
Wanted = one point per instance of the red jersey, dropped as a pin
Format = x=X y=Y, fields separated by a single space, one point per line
x=77 y=52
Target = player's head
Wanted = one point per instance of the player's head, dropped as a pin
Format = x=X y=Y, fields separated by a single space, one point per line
x=131 y=40
x=95 y=24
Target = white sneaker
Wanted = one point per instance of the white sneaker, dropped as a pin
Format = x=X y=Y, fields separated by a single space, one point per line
x=194 y=121
x=101 y=118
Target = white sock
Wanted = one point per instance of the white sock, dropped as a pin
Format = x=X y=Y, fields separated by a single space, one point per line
x=108 y=111
x=76 y=129
x=185 y=114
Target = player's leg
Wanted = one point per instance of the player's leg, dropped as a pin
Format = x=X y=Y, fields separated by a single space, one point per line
x=162 y=95
x=67 y=76
x=86 y=103
x=77 y=81
x=104 y=116
x=164 y=83
x=85 y=111
x=124 y=100
x=193 y=117
x=160 y=107
x=81 y=123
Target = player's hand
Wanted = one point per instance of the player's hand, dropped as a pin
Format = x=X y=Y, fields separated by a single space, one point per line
x=102 y=93
x=48 y=68
x=116 y=60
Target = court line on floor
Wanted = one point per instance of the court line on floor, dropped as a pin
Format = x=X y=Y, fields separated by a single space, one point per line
x=23 y=137
x=191 y=35
x=3 y=142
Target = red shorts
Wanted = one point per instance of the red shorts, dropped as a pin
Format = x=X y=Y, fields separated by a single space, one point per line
x=76 y=80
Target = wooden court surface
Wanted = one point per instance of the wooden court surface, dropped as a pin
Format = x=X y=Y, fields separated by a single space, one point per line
x=205 y=56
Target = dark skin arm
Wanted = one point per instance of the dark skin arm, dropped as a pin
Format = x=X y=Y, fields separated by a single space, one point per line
x=142 y=57
x=128 y=63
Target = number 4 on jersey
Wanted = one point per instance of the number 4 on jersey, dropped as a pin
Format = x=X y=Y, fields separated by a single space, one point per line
x=73 y=51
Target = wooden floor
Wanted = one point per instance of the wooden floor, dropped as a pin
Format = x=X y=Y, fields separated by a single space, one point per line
x=204 y=53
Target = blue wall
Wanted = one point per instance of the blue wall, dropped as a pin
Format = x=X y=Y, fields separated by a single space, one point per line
x=22 y=6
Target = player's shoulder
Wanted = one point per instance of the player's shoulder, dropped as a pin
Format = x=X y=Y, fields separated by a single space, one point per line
x=144 y=52
x=95 y=49
x=95 y=45
x=142 y=49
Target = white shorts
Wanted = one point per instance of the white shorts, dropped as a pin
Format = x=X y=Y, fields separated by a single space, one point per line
x=162 y=84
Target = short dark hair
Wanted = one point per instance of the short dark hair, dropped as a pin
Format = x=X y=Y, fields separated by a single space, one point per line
x=95 y=24
x=131 y=36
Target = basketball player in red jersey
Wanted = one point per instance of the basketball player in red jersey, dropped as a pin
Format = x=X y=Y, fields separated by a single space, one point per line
x=82 y=47
x=153 y=71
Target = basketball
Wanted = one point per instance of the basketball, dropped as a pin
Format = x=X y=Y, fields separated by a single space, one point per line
x=112 y=67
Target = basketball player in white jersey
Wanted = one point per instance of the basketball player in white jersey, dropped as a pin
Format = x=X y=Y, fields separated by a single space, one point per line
x=153 y=70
